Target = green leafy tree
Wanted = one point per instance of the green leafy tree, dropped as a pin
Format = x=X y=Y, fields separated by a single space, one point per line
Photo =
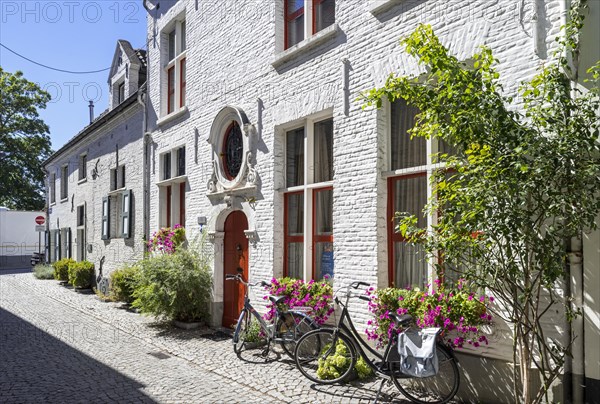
x=520 y=183
x=24 y=142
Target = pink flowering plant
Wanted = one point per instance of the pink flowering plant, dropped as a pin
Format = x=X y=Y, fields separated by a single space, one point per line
x=460 y=313
x=318 y=296
x=167 y=240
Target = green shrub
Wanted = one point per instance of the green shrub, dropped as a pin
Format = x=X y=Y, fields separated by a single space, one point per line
x=61 y=269
x=43 y=271
x=81 y=274
x=176 y=286
x=123 y=282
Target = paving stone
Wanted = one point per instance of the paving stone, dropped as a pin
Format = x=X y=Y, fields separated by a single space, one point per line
x=60 y=346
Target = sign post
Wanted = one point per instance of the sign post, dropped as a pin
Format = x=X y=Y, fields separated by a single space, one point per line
x=40 y=227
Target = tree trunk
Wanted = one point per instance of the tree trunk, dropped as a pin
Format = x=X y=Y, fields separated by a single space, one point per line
x=524 y=364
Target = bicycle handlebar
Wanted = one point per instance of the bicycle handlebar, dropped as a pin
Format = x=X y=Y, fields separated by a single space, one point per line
x=239 y=278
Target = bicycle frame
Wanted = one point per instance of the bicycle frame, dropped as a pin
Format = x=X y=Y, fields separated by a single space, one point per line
x=346 y=326
x=270 y=331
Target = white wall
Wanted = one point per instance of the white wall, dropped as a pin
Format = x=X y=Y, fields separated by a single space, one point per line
x=124 y=132
x=18 y=238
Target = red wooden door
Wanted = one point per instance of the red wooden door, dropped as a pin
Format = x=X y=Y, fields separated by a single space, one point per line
x=235 y=255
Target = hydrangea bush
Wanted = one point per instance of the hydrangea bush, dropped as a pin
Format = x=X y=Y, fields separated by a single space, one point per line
x=167 y=240
x=460 y=313
x=316 y=295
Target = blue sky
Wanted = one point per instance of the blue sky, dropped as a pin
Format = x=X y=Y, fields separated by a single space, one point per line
x=69 y=35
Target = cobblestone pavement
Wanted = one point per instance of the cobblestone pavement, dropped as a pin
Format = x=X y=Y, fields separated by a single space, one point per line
x=57 y=345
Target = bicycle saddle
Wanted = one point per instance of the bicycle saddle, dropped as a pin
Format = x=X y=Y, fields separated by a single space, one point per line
x=276 y=299
x=402 y=320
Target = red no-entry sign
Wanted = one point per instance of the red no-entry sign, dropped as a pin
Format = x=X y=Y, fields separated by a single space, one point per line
x=40 y=220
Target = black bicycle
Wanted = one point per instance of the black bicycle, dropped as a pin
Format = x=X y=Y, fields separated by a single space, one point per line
x=342 y=344
x=252 y=330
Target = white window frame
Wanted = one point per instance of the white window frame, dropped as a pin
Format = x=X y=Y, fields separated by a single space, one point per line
x=52 y=186
x=120 y=98
x=309 y=28
x=431 y=147
x=174 y=181
x=82 y=169
x=308 y=188
x=117 y=179
x=179 y=104
x=64 y=183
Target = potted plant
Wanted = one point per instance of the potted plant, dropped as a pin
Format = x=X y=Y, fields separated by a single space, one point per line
x=61 y=270
x=81 y=275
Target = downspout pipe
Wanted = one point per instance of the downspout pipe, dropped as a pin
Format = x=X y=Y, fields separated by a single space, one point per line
x=574 y=365
x=141 y=99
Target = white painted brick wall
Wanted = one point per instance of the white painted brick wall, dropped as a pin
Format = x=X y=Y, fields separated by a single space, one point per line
x=230 y=48
x=125 y=132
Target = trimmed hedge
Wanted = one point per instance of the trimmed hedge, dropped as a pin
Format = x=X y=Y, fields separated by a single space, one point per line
x=61 y=269
x=81 y=274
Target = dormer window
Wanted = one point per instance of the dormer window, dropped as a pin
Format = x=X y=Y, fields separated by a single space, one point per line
x=121 y=90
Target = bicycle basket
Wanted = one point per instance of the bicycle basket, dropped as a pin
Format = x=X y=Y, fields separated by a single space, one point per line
x=418 y=356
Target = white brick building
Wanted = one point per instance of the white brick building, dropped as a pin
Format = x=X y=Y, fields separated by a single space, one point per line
x=95 y=181
x=256 y=131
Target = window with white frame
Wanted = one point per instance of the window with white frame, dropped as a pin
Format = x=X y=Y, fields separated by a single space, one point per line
x=52 y=186
x=81 y=234
x=82 y=172
x=175 y=68
x=117 y=178
x=411 y=167
x=308 y=201
x=304 y=18
x=121 y=92
x=64 y=182
x=117 y=215
x=172 y=188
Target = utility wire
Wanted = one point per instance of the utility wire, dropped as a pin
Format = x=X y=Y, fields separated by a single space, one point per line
x=53 y=68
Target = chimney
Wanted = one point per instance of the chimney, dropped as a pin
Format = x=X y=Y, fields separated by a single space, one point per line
x=91 y=106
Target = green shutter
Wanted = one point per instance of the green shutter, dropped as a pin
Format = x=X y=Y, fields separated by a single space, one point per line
x=126 y=213
x=105 y=218
x=69 y=251
x=57 y=245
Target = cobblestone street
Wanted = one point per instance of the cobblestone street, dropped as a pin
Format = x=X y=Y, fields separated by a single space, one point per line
x=57 y=345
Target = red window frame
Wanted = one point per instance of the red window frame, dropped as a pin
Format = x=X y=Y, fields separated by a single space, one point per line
x=317 y=238
x=314 y=15
x=182 y=82
x=182 y=204
x=394 y=237
x=169 y=195
x=287 y=238
x=170 y=89
x=288 y=18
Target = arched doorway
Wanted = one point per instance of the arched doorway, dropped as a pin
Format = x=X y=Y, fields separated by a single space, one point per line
x=235 y=255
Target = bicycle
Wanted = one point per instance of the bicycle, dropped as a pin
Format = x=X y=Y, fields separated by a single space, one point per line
x=343 y=341
x=288 y=326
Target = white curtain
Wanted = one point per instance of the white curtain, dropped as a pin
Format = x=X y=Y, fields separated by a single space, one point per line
x=406 y=152
x=294 y=157
x=323 y=151
x=410 y=267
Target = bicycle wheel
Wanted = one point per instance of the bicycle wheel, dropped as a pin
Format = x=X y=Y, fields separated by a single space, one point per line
x=324 y=356
x=241 y=331
x=290 y=327
x=440 y=388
